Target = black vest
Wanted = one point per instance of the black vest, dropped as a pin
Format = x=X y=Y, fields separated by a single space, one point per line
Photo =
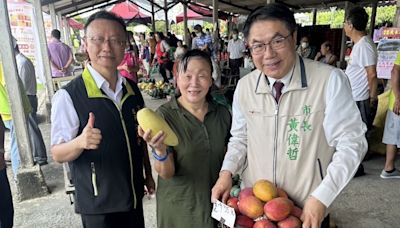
x=102 y=177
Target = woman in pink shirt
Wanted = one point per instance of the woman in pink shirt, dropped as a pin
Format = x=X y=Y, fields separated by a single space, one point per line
x=129 y=65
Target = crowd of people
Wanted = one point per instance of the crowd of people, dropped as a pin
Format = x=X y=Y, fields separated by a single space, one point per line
x=296 y=119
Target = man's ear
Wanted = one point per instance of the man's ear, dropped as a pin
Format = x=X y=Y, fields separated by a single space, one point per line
x=295 y=37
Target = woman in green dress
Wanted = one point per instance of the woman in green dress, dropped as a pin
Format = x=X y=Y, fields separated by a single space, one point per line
x=187 y=172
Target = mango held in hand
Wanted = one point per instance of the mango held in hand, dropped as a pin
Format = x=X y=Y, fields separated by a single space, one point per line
x=148 y=119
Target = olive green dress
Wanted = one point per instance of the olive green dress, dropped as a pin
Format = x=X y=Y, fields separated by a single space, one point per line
x=184 y=200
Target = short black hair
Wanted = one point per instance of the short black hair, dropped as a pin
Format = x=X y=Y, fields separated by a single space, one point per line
x=161 y=35
x=194 y=53
x=235 y=31
x=273 y=11
x=358 y=18
x=198 y=27
x=106 y=16
x=56 y=33
x=328 y=44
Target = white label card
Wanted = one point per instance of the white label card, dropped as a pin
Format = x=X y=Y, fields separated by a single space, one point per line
x=224 y=214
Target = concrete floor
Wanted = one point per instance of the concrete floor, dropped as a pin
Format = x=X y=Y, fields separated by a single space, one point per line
x=367 y=201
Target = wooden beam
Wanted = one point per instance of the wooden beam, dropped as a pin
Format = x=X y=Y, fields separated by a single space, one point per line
x=153 y=20
x=166 y=16
x=314 y=20
x=373 y=18
x=38 y=17
x=396 y=19
x=91 y=8
x=53 y=16
x=185 y=26
x=14 y=89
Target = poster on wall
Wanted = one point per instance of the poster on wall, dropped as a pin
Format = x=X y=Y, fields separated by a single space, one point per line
x=387 y=52
x=388 y=47
x=23 y=28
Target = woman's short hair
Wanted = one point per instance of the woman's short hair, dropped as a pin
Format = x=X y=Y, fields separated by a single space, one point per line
x=195 y=53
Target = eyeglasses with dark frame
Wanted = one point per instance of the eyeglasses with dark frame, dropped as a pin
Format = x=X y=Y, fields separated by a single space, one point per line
x=274 y=44
x=99 y=40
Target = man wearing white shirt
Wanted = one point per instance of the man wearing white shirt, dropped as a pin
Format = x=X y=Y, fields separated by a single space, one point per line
x=94 y=128
x=361 y=68
x=293 y=123
x=235 y=50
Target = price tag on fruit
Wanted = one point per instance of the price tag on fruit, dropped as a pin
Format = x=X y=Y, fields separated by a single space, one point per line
x=223 y=213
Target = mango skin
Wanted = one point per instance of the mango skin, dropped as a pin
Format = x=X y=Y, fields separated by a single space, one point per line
x=148 y=119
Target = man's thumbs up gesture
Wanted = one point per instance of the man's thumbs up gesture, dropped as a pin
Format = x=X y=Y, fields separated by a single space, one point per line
x=90 y=137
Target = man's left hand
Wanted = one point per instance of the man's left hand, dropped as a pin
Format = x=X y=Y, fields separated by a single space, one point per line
x=313 y=213
x=373 y=101
x=150 y=186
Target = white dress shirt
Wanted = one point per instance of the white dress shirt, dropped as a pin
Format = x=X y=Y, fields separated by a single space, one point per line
x=26 y=72
x=64 y=119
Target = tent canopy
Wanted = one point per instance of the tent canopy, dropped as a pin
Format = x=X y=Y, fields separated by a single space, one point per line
x=190 y=15
x=130 y=12
x=75 y=24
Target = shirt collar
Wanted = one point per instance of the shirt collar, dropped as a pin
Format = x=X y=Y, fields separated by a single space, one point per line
x=102 y=83
x=175 y=105
x=285 y=80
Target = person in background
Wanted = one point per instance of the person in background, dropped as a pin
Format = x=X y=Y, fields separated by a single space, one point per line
x=391 y=134
x=180 y=50
x=236 y=49
x=293 y=121
x=193 y=36
x=172 y=40
x=305 y=50
x=326 y=55
x=361 y=68
x=144 y=55
x=129 y=65
x=100 y=139
x=152 y=45
x=6 y=205
x=26 y=73
x=162 y=56
x=208 y=32
x=60 y=56
x=202 y=127
x=6 y=115
x=179 y=53
x=202 y=41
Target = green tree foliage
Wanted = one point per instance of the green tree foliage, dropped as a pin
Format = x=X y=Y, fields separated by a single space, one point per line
x=335 y=18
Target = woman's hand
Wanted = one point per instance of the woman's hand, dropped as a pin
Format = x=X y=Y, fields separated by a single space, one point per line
x=156 y=142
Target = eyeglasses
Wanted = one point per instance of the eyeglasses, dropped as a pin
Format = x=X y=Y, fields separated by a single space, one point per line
x=274 y=44
x=99 y=40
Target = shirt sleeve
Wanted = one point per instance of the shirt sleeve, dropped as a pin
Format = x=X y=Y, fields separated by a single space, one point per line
x=345 y=131
x=64 y=119
x=367 y=54
x=397 y=61
x=237 y=147
x=23 y=74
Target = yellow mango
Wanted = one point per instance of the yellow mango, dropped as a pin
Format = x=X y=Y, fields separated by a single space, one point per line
x=148 y=119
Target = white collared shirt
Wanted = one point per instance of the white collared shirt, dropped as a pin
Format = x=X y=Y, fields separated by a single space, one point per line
x=64 y=119
x=285 y=80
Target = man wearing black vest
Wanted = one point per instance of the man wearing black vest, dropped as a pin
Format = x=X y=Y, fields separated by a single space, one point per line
x=94 y=128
